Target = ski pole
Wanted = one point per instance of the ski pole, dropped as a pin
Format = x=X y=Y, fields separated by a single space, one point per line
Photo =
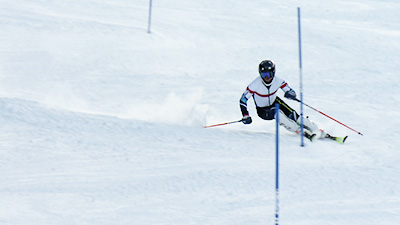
x=329 y=117
x=220 y=124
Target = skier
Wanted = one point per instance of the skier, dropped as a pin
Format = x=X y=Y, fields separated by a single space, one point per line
x=264 y=92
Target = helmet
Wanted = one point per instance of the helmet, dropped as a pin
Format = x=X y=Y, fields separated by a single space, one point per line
x=266 y=69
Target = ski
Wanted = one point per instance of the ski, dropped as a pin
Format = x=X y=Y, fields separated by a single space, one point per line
x=321 y=134
x=341 y=140
x=325 y=135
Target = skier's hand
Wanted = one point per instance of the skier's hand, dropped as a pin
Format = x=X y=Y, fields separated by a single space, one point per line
x=246 y=119
x=290 y=94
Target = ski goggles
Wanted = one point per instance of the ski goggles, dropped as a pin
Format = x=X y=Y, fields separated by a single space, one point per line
x=268 y=74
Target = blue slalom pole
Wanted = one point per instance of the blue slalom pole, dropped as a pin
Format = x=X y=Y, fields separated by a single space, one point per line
x=277 y=166
x=301 y=82
x=149 y=24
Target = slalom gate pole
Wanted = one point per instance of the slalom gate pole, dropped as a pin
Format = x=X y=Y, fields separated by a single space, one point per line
x=220 y=124
x=277 y=166
x=329 y=117
x=149 y=22
x=301 y=82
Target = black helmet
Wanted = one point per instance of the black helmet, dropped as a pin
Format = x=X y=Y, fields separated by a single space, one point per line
x=267 y=69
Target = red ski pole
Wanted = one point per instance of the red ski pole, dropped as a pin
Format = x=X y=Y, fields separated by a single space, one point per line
x=329 y=117
x=220 y=124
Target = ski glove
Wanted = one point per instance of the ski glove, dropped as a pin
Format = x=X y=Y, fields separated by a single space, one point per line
x=246 y=119
x=290 y=94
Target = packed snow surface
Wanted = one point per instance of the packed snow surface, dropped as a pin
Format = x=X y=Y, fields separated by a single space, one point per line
x=102 y=122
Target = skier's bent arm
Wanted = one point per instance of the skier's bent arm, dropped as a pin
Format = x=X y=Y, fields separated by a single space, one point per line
x=243 y=107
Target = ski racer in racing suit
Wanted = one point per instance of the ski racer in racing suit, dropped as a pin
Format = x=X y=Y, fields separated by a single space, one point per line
x=264 y=92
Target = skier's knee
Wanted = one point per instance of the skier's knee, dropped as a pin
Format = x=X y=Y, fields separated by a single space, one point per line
x=308 y=124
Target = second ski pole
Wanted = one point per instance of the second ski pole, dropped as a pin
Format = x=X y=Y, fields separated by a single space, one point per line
x=328 y=116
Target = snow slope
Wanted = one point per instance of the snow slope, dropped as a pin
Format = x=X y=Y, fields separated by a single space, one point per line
x=101 y=122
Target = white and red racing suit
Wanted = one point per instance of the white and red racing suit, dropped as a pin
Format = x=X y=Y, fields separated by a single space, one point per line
x=265 y=97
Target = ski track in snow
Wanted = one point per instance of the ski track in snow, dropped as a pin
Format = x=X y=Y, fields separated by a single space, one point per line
x=101 y=122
